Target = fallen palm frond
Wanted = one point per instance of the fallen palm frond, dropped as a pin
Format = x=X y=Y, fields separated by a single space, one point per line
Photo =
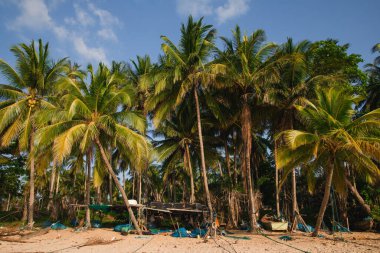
x=13 y=240
x=90 y=242
x=36 y=233
x=97 y=241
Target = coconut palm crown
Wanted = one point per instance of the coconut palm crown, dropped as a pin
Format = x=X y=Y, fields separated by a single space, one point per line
x=331 y=140
x=30 y=83
x=92 y=118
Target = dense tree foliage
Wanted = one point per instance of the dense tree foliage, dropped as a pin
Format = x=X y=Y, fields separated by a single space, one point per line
x=221 y=126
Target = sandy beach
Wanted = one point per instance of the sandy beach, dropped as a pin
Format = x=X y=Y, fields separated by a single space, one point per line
x=70 y=241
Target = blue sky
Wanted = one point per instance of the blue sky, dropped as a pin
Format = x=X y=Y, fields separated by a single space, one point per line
x=105 y=30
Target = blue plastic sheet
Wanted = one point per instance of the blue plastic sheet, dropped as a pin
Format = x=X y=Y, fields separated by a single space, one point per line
x=181 y=232
x=58 y=226
x=301 y=227
x=200 y=232
x=123 y=228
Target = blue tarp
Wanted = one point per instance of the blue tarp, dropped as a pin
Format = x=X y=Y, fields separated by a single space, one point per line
x=340 y=228
x=200 y=232
x=96 y=224
x=301 y=227
x=156 y=231
x=123 y=228
x=58 y=226
x=181 y=232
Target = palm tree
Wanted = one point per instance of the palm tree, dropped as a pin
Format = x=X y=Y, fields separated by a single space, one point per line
x=29 y=85
x=183 y=73
x=373 y=89
x=180 y=135
x=331 y=140
x=249 y=70
x=290 y=90
x=92 y=120
x=376 y=48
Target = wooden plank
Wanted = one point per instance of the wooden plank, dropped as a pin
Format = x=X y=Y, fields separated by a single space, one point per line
x=185 y=210
x=158 y=210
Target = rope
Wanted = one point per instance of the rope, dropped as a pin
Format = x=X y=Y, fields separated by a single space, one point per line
x=290 y=246
x=9 y=214
x=221 y=237
x=219 y=245
x=143 y=245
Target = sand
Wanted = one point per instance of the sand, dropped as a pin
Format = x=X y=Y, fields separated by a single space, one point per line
x=70 y=241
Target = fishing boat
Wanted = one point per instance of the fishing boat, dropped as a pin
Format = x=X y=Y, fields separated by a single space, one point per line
x=270 y=223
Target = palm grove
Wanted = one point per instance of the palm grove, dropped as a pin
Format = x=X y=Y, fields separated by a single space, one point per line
x=239 y=127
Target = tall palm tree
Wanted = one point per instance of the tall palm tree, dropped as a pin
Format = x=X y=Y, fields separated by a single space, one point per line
x=30 y=82
x=376 y=48
x=290 y=90
x=184 y=73
x=331 y=140
x=372 y=100
x=92 y=120
x=248 y=72
x=180 y=136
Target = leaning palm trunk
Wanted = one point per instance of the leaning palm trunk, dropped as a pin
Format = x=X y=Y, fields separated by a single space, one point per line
x=192 y=191
x=359 y=198
x=203 y=163
x=118 y=185
x=247 y=142
x=325 y=200
x=88 y=190
x=31 y=184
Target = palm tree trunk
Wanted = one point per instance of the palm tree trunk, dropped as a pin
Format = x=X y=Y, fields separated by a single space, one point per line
x=203 y=162
x=294 y=180
x=57 y=185
x=118 y=185
x=51 y=206
x=110 y=179
x=247 y=141
x=124 y=180
x=88 y=188
x=25 y=208
x=277 y=180
x=325 y=200
x=98 y=195
x=110 y=188
x=227 y=157
x=192 y=189
x=139 y=194
x=235 y=164
x=134 y=185
x=357 y=196
x=31 y=183
x=8 y=202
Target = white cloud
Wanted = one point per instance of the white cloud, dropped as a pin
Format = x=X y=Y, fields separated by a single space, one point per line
x=223 y=12
x=231 y=9
x=107 y=34
x=34 y=15
x=196 y=8
x=90 y=53
x=105 y=17
x=83 y=17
